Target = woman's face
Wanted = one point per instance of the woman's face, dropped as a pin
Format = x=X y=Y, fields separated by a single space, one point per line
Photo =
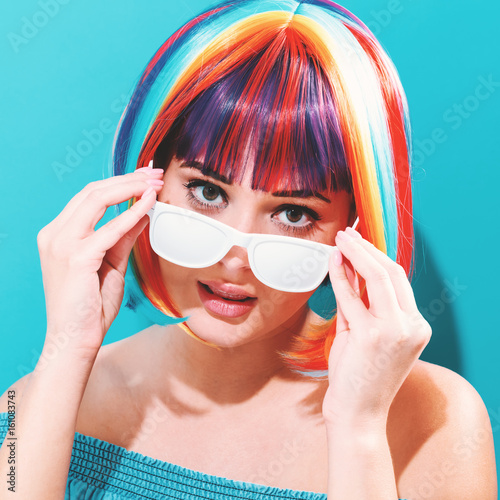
x=226 y=322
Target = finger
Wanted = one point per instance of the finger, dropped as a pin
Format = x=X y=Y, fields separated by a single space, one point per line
x=352 y=276
x=75 y=204
x=117 y=256
x=347 y=298
x=110 y=234
x=402 y=286
x=381 y=293
x=339 y=342
x=94 y=205
x=342 y=323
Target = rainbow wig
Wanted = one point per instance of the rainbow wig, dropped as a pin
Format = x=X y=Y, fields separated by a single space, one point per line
x=306 y=86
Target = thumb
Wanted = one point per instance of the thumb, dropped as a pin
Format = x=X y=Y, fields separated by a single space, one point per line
x=352 y=275
x=339 y=342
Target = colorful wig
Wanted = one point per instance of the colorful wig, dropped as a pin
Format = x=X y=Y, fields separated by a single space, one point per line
x=306 y=86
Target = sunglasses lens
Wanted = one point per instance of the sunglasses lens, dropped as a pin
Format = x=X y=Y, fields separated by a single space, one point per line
x=291 y=267
x=186 y=241
x=191 y=240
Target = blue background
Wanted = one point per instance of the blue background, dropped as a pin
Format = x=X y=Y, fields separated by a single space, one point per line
x=75 y=67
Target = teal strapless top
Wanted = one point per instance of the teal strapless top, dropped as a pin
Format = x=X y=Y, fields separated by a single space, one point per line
x=104 y=471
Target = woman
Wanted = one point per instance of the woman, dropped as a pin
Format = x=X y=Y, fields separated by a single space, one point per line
x=273 y=127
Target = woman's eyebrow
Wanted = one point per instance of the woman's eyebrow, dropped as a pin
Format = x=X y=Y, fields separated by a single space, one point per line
x=301 y=193
x=209 y=173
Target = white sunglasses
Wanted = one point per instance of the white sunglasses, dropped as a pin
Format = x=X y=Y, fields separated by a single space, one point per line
x=189 y=239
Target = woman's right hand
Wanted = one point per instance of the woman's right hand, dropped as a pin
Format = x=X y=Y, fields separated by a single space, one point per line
x=83 y=268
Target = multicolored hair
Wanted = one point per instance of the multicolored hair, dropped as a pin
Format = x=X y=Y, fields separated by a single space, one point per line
x=309 y=89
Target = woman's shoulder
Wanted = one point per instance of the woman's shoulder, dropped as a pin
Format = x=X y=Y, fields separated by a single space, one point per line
x=117 y=371
x=436 y=390
x=435 y=398
x=436 y=379
x=439 y=433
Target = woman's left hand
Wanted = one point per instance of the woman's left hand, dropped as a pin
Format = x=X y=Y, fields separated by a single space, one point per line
x=375 y=347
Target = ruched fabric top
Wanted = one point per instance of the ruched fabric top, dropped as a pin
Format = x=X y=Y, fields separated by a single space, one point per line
x=104 y=471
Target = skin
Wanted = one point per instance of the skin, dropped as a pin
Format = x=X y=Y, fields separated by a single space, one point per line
x=106 y=390
x=249 y=342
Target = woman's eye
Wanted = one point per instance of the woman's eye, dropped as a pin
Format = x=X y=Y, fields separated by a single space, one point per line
x=296 y=218
x=204 y=194
x=293 y=215
x=209 y=192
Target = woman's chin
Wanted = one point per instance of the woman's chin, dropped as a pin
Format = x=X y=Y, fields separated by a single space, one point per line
x=221 y=333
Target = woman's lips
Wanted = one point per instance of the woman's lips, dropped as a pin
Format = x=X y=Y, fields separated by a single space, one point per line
x=225 y=300
x=227 y=290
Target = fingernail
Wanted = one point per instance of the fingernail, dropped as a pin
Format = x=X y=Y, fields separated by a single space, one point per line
x=337 y=257
x=151 y=171
x=155 y=182
x=150 y=164
x=353 y=232
x=341 y=235
x=158 y=172
x=147 y=193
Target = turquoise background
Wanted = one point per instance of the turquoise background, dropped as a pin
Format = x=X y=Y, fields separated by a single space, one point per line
x=72 y=74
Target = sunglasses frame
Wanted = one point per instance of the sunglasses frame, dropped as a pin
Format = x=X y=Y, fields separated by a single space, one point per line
x=249 y=241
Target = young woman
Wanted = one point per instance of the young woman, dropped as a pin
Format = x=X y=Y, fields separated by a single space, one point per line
x=273 y=127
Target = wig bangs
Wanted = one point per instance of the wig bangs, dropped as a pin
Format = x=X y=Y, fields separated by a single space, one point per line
x=274 y=114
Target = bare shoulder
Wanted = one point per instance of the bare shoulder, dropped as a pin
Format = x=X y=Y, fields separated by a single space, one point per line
x=102 y=378
x=107 y=404
x=440 y=436
x=106 y=400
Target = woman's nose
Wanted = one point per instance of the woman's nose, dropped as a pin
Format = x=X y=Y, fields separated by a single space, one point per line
x=237 y=256
x=236 y=259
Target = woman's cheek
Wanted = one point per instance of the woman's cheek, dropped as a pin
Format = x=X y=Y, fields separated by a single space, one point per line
x=180 y=283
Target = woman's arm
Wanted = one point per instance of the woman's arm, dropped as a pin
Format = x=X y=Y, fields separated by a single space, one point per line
x=443 y=440
x=376 y=346
x=373 y=356
x=360 y=462
x=44 y=427
x=83 y=277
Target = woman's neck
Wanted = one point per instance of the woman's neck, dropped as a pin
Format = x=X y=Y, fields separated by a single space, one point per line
x=192 y=371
